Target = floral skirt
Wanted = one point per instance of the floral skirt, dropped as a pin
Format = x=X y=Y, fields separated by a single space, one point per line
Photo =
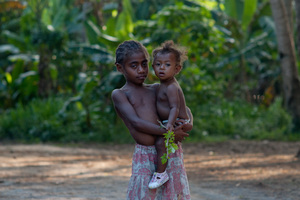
x=144 y=163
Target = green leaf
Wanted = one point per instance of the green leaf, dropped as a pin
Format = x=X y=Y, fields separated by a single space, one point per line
x=53 y=72
x=175 y=146
x=169 y=144
x=96 y=36
x=172 y=150
x=8 y=48
x=124 y=26
x=59 y=17
x=249 y=10
x=92 y=32
x=230 y=8
x=234 y=8
x=14 y=39
x=24 y=75
x=164 y=159
x=8 y=77
x=67 y=104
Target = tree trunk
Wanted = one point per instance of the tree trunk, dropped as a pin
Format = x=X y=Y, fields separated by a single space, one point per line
x=289 y=12
x=297 y=3
x=287 y=55
x=45 y=80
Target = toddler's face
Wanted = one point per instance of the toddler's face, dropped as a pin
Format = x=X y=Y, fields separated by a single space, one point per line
x=165 y=66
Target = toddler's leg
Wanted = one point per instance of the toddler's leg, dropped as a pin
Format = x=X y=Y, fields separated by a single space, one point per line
x=160 y=176
x=161 y=150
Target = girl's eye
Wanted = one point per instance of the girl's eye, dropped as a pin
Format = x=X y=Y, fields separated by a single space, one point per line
x=168 y=64
x=145 y=64
x=133 y=66
x=157 y=64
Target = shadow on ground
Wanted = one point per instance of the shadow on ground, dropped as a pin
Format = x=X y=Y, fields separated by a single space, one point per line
x=234 y=170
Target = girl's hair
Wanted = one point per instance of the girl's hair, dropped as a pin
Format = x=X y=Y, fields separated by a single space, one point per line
x=169 y=47
x=128 y=48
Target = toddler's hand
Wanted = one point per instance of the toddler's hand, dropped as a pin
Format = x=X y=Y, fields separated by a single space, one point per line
x=170 y=127
x=179 y=122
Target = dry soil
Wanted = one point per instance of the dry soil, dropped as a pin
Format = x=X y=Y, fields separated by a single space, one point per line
x=234 y=170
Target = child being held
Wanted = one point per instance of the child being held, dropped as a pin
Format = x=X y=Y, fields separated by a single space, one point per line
x=170 y=101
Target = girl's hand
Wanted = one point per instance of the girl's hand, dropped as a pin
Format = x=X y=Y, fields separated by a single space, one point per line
x=180 y=134
x=186 y=126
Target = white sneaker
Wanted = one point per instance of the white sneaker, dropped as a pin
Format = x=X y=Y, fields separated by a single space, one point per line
x=158 y=179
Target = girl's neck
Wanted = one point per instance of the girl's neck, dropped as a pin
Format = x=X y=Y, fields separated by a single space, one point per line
x=133 y=85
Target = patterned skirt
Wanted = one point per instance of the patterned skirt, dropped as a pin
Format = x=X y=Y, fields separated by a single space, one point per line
x=144 y=163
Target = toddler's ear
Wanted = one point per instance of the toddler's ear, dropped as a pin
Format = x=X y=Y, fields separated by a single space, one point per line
x=178 y=68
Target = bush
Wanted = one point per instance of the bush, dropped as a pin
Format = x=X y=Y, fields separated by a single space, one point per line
x=241 y=120
x=42 y=121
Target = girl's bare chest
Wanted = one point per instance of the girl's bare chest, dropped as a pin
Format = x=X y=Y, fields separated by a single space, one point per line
x=142 y=100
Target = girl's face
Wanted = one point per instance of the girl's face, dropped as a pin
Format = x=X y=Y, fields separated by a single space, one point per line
x=165 y=66
x=135 y=68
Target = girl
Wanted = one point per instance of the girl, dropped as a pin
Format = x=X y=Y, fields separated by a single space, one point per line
x=135 y=104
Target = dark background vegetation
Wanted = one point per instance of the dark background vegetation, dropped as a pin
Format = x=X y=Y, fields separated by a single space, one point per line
x=57 y=67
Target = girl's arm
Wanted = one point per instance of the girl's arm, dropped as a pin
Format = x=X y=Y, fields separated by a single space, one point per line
x=188 y=126
x=128 y=115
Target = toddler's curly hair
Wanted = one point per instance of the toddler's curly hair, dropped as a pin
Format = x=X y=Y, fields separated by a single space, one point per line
x=169 y=47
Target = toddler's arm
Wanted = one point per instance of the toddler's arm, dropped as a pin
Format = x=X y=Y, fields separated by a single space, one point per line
x=174 y=102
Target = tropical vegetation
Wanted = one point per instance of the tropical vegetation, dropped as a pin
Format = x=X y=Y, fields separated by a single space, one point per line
x=57 y=67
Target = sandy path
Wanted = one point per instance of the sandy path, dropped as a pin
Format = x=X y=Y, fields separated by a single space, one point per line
x=236 y=170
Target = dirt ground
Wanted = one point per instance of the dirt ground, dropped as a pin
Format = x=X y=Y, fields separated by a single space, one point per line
x=234 y=170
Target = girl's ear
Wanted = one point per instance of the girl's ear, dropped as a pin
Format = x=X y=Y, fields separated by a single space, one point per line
x=178 y=69
x=119 y=67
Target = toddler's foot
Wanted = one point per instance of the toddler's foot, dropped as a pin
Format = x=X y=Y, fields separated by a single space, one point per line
x=158 y=179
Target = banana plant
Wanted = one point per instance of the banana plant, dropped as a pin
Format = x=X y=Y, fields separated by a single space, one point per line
x=249 y=32
x=17 y=86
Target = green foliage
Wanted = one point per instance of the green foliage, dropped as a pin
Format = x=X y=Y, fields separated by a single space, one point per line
x=33 y=123
x=124 y=24
x=251 y=47
x=42 y=121
x=232 y=57
x=19 y=84
x=241 y=120
x=201 y=74
x=241 y=10
x=170 y=145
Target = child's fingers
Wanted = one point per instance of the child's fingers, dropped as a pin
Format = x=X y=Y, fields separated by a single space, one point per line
x=180 y=121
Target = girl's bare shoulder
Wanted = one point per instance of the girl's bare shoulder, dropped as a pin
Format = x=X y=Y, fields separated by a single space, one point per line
x=117 y=93
x=153 y=86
